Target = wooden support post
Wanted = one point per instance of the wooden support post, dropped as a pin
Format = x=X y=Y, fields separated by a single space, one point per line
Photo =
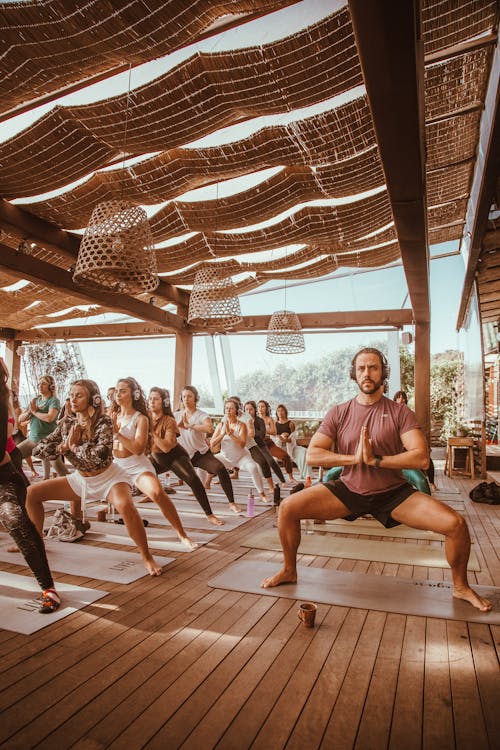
x=13 y=362
x=183 y=364
x=423 y=377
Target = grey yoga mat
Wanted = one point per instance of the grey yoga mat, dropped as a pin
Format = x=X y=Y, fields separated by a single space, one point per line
x=361 y=549
x=382 y=593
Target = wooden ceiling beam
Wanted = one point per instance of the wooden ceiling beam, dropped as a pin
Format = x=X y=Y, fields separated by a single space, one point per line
x=41 y=272
x=255 y=324
x=483 y=186
x=390 y=49
x=27 y=226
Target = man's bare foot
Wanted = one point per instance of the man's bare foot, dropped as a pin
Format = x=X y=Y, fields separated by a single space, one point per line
x=207 y=485
x=284 y=576
x=264 y=498
x=235 y=508
x=470 y=596
x=13 y=548
x=152 y=568
x=187 y=542
x=216 y=521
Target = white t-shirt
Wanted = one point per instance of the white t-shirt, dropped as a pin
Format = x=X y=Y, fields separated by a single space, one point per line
x=192 y=440
x=248 y=420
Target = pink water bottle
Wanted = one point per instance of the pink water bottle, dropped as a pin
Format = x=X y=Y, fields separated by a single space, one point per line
x=250 y=505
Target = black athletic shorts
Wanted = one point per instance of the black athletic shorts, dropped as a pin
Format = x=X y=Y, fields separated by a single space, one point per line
x=379 y=506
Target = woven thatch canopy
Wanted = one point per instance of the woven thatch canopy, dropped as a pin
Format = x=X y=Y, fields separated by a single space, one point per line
x=371 y=176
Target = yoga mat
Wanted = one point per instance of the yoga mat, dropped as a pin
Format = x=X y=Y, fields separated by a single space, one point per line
x=446 y=491
x=221 y=509
x=113 y=533
x=80 y=559
x=19 y=602
x=189 y=520
x=375 y=528
x=361 y=549
x=360 y=590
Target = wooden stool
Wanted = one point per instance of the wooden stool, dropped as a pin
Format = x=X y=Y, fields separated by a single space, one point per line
x=462 y=443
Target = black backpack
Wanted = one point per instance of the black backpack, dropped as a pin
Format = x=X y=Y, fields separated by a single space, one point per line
x=486 y=493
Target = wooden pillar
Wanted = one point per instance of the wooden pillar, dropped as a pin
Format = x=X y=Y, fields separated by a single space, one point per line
x=13 y=362
x=423 y=377
x=183 y=364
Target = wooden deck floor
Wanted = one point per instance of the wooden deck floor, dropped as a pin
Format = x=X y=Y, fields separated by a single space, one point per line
x=169 y=662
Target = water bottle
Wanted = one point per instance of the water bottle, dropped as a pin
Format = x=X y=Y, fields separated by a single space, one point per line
x=277 y=495
x=308 y=481
x=250 y=505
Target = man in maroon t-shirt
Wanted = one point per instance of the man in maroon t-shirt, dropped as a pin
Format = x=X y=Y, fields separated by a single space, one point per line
x=373 y=439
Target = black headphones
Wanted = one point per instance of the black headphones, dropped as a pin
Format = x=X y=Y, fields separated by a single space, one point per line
x=386 y=370
x=194 y=391
x=50 y=382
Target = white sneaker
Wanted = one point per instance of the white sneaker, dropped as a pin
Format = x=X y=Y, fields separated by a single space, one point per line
x=65 y=527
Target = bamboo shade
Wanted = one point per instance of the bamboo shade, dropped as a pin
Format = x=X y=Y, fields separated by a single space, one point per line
x=52 y=44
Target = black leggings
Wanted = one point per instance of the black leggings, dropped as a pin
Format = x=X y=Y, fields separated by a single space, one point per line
x=260 y=459
x=212 y=465
x=177 y=459
x=22 y=530
x=273 y=464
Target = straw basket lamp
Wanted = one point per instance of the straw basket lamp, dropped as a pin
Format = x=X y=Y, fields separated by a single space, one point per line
x=214 y=303
x=284 y=333
x=116 y=252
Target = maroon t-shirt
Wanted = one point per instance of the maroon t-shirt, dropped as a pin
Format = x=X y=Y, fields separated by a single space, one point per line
x=386 y=422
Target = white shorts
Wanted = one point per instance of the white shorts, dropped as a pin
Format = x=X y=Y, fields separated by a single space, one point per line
x=136 y=466
x=98 y=487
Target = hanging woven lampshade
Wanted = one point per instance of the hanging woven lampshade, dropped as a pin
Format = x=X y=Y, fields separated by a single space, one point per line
x=284 y=333
x=213 y=302
x=116 y=252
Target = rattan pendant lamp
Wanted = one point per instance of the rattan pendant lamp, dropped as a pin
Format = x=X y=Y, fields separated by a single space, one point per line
x=214 y=303
x=116 y=253
x=284 y=332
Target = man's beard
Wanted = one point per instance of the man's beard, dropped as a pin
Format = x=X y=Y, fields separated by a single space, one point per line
x=371 y=385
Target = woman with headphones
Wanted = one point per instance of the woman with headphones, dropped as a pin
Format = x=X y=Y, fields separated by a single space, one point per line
x=131 y=428
x=195 y=426
x=42 y=415
x=167 y=454
x=229 y=443
x=87 y=442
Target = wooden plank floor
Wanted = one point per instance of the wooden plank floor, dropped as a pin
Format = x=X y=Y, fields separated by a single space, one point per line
x=169 y=662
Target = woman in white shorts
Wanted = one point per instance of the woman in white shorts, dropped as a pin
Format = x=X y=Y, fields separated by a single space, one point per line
x=131 y=439
x=86 y=440
x=229 y=438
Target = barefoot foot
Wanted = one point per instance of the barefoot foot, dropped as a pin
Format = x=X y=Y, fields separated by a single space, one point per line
x=216 y=521
x=152 y=568
x=12 y=548
x=187 y=542
x=284 y=576
x=468 y=595
x=235 y=508
x=264 y=498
